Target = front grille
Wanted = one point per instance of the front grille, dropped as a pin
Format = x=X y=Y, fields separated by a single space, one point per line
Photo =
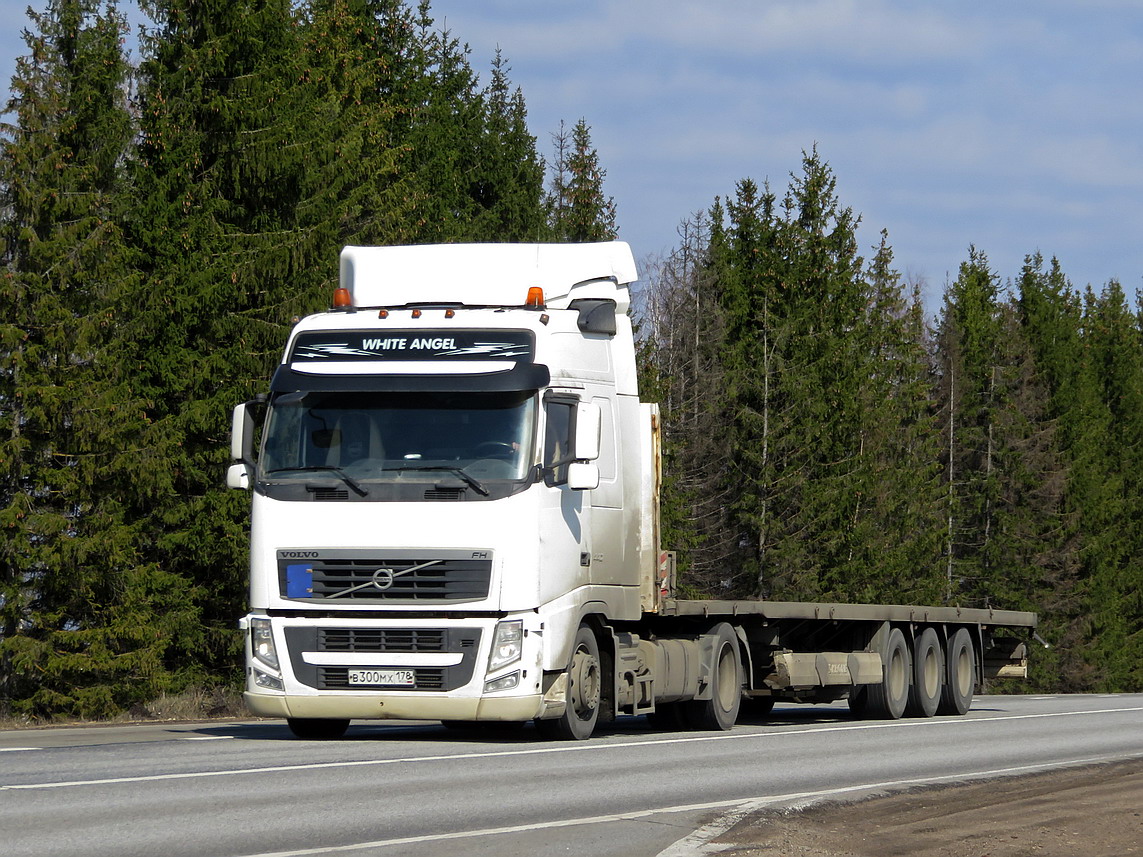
x=329 y=494
x=342 y=576
x=380 y=640
x=444 y=494
x=462 y=641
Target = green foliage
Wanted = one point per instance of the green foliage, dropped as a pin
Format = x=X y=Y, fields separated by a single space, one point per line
x=86 y=624
x=823 y=443
x=153 y=264
x=577 y=207
x=820 y=441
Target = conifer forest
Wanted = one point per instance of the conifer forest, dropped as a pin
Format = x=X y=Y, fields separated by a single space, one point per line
x=826 y=437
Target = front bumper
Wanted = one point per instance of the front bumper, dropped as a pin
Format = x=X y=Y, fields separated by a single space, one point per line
x=448 y=656
x=396 y=707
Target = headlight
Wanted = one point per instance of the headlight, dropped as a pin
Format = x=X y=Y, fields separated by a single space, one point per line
x=262 y=642
x=507 y=644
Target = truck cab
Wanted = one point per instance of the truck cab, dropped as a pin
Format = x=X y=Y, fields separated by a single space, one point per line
x=450 y=477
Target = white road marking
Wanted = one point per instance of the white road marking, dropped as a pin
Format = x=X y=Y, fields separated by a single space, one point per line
x=17 y=749
x=685 y=847
x=206 y=737
x=605 y=746
x=699 y=843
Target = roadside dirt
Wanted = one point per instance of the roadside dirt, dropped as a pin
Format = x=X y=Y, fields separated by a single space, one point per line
x=1094 y=811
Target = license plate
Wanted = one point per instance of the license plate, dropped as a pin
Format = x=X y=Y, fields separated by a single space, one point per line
x=402 y=678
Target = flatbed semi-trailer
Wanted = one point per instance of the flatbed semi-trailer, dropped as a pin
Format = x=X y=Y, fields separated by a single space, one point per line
x=455 y=516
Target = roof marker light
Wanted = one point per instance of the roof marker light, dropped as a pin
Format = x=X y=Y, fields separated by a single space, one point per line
x=449 y=313
x=341 y=297
x=535 y=298
x=384 y=313
x=416 y=313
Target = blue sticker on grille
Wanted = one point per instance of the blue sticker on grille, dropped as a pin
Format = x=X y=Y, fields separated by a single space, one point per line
x=299 y=581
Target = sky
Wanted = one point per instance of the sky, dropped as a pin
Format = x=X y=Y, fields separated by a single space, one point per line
x=1015 y=127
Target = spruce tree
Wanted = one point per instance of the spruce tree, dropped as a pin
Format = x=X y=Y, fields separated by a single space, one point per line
x=578 y=210
x=214 y=225
x=896 y=542
x=87 y=624
x=1112 y=574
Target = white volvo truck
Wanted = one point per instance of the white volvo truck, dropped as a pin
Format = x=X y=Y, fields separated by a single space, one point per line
x=455 y=517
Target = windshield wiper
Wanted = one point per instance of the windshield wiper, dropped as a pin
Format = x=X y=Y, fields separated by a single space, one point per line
x=348 y=480
x=467 y=478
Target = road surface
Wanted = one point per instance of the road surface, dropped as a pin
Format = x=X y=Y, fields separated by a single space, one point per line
x=248 y=789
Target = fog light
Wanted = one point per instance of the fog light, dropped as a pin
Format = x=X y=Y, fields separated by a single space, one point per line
x=503 y=683
x=267 y=681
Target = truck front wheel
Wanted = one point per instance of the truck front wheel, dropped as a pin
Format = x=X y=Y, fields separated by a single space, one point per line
x=584 y=691
x=317 y=729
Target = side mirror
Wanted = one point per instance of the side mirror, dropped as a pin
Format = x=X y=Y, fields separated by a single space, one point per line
x=588 y=422
x=239 y=476
x=242 y=433
x=583 y=476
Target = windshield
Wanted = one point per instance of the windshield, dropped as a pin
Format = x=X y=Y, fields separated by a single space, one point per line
x=366 y=441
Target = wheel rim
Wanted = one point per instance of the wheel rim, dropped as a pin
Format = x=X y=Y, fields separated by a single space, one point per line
x=963 y=672
x=727 y=679
x=586 y=683
x=897 y=679
x=931 y=673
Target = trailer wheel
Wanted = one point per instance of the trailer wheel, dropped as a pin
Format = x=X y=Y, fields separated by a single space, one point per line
x=756 y=707
x=887 y=701
x=668 y=717
x=721 y=710
x=960 y=675
x=585 y=689
x=317 y=729
x=928 y=675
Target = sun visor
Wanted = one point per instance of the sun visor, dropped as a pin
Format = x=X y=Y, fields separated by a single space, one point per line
x=518 y=378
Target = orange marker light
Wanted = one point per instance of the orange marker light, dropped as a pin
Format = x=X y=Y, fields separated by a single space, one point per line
x=383 y=313
x=535 y=297
x=416 y=313
x=341 y=297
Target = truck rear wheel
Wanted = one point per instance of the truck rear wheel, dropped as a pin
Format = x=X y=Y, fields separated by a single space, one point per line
x=887 y=701
x=584 y=692
x=960 y=675
x=928 y=674
x=721 y=710
x=317 y=729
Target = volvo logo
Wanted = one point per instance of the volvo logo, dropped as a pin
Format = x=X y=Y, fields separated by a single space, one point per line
x=383 y=578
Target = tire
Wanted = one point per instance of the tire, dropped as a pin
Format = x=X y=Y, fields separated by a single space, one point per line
x=317 y=729
x=859 y=702
x=960 y=675
x=928 y=675
x=668 y=717
x=720 y=711
x=756 y=707
x=888 y=700
x=489 y=727
x=584 y=692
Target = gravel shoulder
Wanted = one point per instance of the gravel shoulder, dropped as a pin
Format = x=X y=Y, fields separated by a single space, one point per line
x=1093 y=811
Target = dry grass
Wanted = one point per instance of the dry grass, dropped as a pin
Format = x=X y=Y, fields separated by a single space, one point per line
x=192 y=704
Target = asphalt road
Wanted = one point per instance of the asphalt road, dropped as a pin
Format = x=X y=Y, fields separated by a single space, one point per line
x=249 y=788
